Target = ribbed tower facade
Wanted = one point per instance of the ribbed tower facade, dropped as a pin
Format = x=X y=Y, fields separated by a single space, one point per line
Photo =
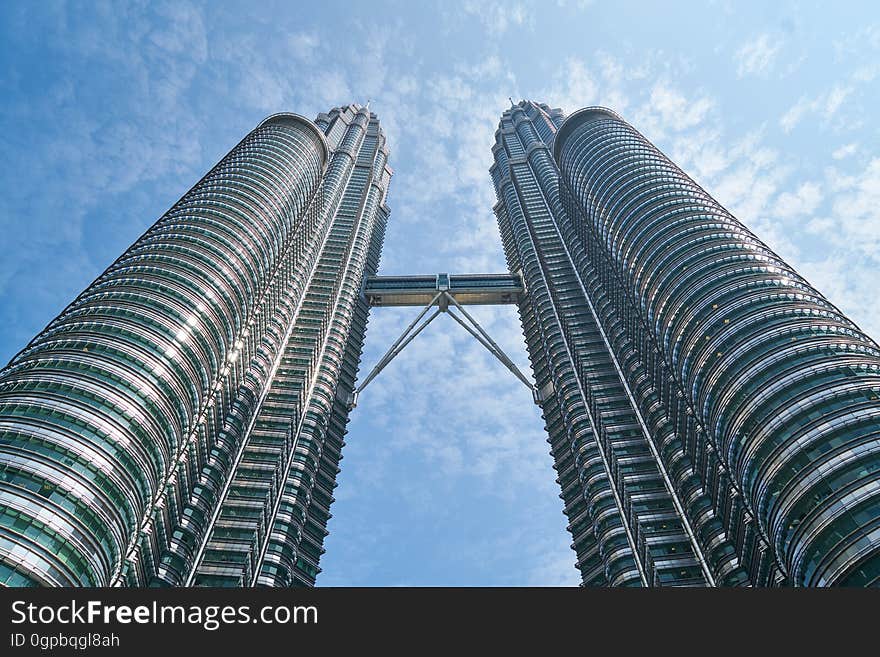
x=714 y=420
x=180 y=423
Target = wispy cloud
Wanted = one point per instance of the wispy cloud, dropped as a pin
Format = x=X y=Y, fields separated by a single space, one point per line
x=795 y=113
x=498 y=17
x=675 y=110
x=756 y=57
x=825 y=106
x=304 y=45
x=803 y=201
x=845 y=151
x=844 y=233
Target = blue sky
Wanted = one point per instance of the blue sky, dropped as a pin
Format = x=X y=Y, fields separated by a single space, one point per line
x=111 y=111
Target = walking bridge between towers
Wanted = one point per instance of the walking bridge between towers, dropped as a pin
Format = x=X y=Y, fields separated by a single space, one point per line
x=444 y=293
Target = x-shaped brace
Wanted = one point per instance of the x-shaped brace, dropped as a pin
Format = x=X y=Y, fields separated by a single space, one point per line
x=443 y=300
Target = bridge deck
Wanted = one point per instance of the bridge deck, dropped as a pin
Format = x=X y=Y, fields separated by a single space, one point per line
x=468 y=289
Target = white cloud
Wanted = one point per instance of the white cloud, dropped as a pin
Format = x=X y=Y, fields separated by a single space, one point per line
x=677 y=111
x=794 y=114
x=838 y=181
x=845 y=264
x=573 y=87
x=668 y=111
x=303 y=45
x=498 y=17
x=832 y=102
x=826 y=106
x=576 y=4
x=802 y=201
x=845 y=151
x=857 y=212
x=756 y=57
x=866 y=73
x=849 y=282
x=864 y=40
x=700 y=153
x=331 y=88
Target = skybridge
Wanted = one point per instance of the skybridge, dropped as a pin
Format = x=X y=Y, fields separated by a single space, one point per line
x=444 y=293
x=467 y=289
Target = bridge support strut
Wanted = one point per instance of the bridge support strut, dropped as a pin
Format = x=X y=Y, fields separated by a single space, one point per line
x=443 y=300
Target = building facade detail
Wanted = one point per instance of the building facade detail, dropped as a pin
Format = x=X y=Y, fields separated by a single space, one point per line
x=714 y=419
x=181 y=421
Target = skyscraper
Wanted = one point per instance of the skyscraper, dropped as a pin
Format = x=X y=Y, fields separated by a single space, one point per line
x=714 y=420
x=181 y=421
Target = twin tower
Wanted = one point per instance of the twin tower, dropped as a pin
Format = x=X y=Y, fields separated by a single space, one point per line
x=714 y=420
